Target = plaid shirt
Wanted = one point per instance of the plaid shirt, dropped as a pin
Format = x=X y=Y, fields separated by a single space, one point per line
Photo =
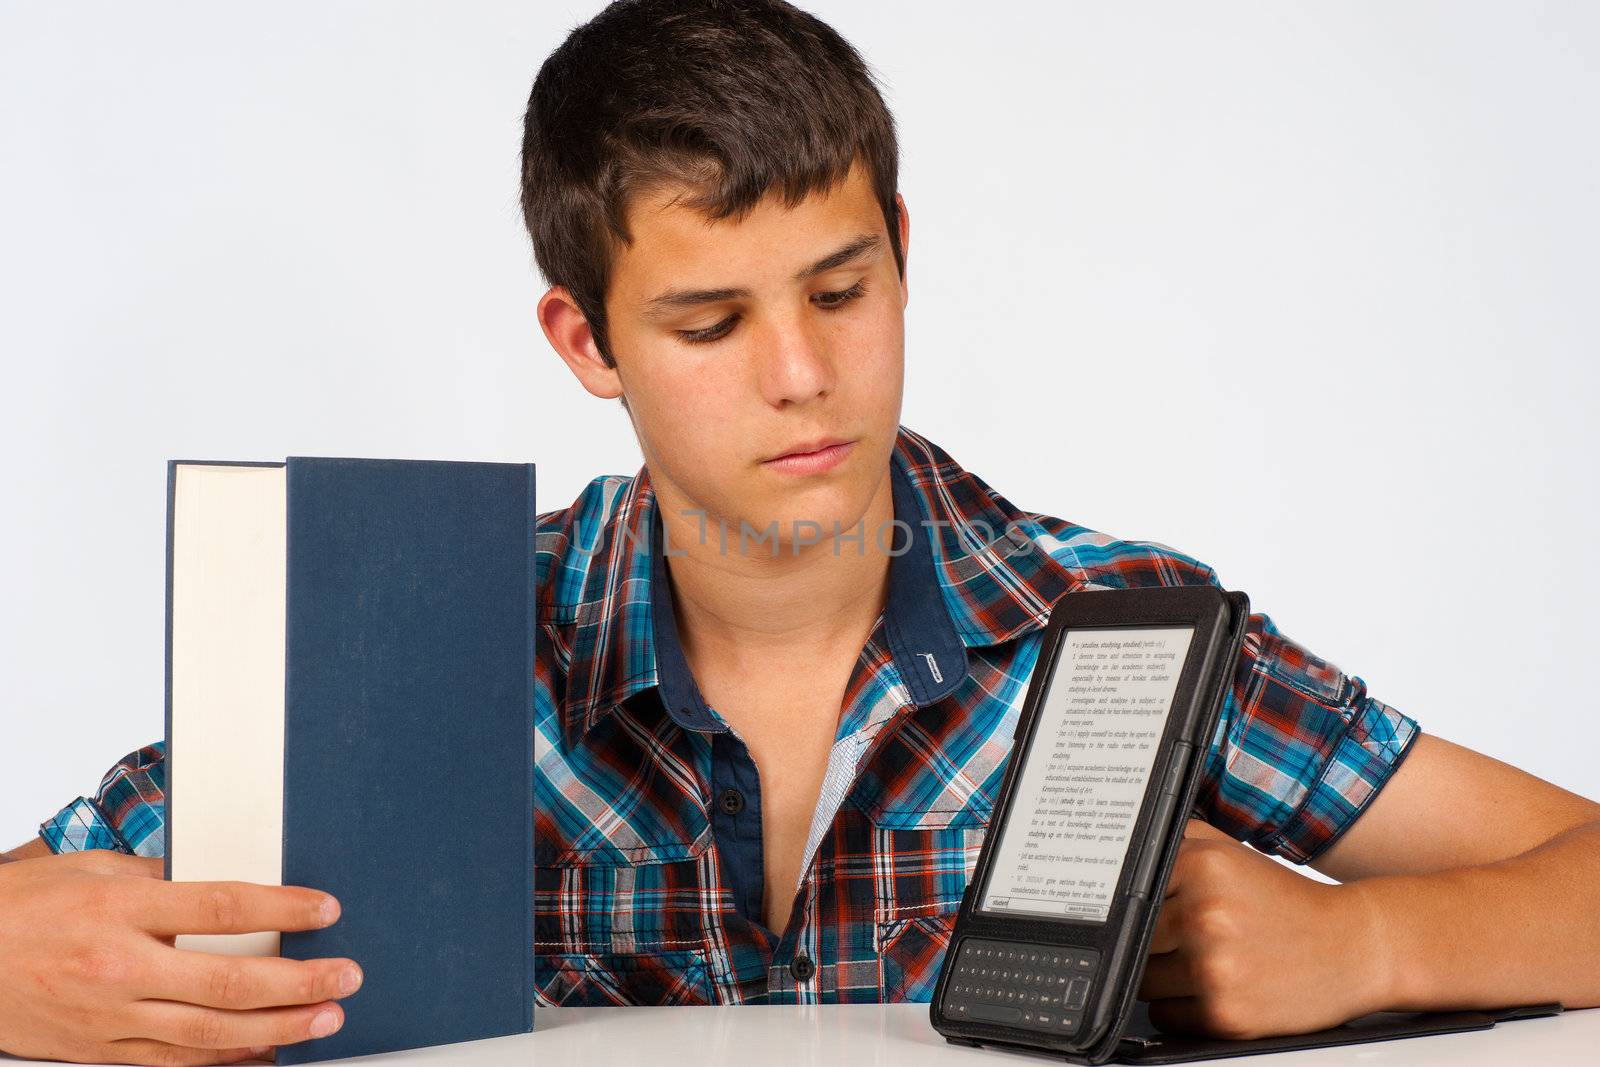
x=649 y=870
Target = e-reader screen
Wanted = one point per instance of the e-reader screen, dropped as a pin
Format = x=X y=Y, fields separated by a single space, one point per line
x=1082 y=781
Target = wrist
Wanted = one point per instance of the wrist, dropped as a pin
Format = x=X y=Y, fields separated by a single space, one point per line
x=1383 y=973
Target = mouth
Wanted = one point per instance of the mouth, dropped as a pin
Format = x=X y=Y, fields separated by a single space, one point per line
x=807 y=448
x=811 y=457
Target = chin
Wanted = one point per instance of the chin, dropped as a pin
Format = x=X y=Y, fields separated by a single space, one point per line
x=839 y=505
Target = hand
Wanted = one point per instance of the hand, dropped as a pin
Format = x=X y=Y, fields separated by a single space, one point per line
x=92 y=973
x=1245 y=947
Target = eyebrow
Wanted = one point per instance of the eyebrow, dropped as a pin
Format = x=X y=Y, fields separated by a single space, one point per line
x=674 y=299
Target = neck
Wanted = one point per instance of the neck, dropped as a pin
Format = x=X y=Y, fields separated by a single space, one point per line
x=744 y=605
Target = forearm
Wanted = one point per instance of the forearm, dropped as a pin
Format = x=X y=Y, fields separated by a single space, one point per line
x=1521 y=930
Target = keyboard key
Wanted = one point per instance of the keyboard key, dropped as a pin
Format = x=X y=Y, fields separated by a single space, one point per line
x=995 y=1013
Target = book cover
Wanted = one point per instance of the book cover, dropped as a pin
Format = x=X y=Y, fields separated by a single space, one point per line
x=350 y=707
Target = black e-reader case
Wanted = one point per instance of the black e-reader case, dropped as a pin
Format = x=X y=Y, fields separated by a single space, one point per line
x=1115 y=1026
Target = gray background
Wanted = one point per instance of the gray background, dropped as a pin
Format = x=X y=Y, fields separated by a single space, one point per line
x=1304 y=290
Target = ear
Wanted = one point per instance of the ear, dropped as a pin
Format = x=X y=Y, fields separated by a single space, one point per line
x=568 y=332
x=903 y=220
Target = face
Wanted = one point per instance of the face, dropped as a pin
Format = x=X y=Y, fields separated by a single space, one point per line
x=739 y=341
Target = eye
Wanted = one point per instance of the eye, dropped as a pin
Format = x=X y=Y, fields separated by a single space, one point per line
x=710 y=333
x=835 y=301
x=827 y=301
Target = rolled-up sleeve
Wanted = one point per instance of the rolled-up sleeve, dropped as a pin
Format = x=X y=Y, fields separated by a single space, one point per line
x=1300 y=750
x=127 y=812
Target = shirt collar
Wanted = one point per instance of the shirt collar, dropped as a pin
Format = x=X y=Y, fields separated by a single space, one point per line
x=975 y=574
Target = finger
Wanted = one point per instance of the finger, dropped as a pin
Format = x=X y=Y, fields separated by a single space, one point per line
x=110 y=861
x=1164 y=938
x=230 y=907
x=1166 y=974
x=147 y=867
x=143 y=1050
x=1175 y=879
x=1199 y=828
x=1178 y=1015
x=1190 y=851
x=214 y=980
x=214 y=1028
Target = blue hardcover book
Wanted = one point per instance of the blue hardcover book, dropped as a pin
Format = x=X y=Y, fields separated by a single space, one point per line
x=350 y=673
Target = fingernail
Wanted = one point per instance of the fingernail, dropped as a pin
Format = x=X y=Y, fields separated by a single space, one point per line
x=261 y=1052
x=330 y=910
x=350 y=979
x=324 y=1024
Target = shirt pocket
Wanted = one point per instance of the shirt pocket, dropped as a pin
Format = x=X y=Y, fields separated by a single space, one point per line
x=614 y=928
x=595 y=979
x=922 y=858
x=621 y=915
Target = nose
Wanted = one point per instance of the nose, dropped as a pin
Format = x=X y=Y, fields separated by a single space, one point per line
x=794 y=364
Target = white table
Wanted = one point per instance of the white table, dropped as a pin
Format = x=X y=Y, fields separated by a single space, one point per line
x=890 y=1035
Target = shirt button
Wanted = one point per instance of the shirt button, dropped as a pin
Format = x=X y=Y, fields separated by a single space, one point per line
x=732 y=801
x=802 y=968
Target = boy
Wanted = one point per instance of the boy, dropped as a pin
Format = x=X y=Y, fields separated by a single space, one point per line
x=780 y=666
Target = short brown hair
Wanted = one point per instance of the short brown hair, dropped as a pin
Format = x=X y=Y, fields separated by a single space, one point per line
x=730 y=97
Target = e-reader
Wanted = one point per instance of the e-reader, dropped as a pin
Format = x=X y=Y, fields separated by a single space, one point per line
x=1051 y=938
x=1049 y=946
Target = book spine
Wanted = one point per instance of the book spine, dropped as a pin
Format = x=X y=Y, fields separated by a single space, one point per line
x=166 y=713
